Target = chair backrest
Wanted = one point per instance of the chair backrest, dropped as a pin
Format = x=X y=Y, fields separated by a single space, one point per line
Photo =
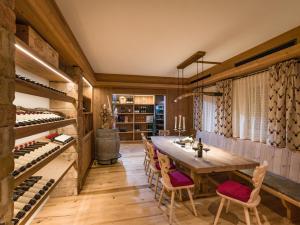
x=165 y=165
x=151 y=153
x=257 y=180
x=164 y=133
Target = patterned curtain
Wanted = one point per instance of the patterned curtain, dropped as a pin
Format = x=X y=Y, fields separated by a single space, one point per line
x=284 y=106
x=197 y=114
x=223 y=119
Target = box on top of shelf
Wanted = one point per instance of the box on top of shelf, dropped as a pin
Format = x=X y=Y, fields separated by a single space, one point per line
x=144 y=99
x=40 y=47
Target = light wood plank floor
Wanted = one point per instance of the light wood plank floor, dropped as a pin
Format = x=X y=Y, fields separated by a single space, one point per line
x=119 y=195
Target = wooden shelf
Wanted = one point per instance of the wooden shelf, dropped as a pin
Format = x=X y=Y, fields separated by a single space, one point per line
x=143 y=122
x=25 y=131
x=124 y=122
x=126 y=132
x=87 y=113
x=143 y=131
x=143 y=113
x=130 y=104
x=33 y=66
x=125 y=113
x=33 y=89
x=56 y=170
x=29 y=172
x=143 y=104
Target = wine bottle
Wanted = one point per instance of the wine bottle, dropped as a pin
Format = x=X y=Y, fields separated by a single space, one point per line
x=200 y=148
x=22 y=206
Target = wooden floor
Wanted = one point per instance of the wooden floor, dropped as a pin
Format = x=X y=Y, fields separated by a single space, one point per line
x=119 y=195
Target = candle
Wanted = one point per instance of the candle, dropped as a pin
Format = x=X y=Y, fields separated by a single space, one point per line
x=179 y=124
x=175 y=122
x=183 y=123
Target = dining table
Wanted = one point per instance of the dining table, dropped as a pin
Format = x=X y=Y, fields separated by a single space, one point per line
x=216 y=160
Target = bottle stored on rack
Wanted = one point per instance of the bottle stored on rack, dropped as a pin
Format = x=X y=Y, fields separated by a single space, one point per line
x=30 y=118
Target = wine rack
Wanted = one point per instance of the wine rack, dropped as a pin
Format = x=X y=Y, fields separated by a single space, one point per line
x=37 y=160
x=44 y=157
x=135 y=114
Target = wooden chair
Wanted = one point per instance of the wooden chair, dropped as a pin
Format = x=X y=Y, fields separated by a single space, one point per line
x=174 y=181
x=163 y=133
x=154 y=167
x=233 y=191
x=146 y=158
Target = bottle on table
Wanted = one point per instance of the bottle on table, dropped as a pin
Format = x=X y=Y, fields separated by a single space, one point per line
x=200 y=148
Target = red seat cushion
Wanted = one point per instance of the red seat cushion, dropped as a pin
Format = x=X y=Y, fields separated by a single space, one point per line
x=173 y=167
x=179 y=179
x=235 y=190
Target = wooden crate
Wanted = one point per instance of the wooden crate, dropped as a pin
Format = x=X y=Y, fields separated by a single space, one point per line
x=38 y=44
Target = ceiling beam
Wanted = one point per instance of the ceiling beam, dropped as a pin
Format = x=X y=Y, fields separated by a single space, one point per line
x=191 y=59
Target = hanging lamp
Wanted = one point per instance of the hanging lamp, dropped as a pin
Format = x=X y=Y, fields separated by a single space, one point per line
x=194 y=59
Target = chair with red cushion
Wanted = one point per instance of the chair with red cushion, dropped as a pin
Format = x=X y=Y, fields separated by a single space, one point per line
x=173 y=181
x=233 y=191
x=146 y=158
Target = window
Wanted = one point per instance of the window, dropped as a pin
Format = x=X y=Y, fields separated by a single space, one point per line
x=250 y=107
x=209 y=110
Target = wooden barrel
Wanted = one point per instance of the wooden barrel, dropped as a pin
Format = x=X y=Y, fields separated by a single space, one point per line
x=107 y=146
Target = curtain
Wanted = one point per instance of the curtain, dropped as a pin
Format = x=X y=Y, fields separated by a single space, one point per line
x=197 y=110
x=223 y=119
x=284 y=106
x=209 y=110
x=250 y=107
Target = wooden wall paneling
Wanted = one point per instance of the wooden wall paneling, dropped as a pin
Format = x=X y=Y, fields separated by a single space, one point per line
x=185 y=107
x=294 y=171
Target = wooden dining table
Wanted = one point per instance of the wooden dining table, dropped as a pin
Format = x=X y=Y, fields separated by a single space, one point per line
x=217 y=160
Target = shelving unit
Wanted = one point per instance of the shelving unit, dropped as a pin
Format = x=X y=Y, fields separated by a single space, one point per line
x=56 y=165
x=32 y=89
x=159 y=118
x=56 y=170
x=30 y=171
x=133 y=111
x=25 y=131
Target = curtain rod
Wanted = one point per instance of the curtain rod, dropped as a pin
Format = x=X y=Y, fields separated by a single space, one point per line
x=250 y=74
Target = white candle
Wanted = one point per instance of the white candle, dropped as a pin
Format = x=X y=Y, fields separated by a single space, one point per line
x=175 y=123
x=183 y=122
x=179 y=124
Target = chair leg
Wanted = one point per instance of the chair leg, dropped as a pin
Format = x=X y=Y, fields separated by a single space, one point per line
x=161 y=196
x=192 y=201
x=148 y=168
x=247 y=216
x=145 y=160
x=156 y=185
x=219 y=211
x=180 y=195
x=150 y=178
x=171 y=207
x=228 y=205
x=257 y=216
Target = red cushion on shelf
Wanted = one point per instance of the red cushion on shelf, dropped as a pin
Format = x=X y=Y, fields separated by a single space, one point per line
x=179 y=179
x=235 y=190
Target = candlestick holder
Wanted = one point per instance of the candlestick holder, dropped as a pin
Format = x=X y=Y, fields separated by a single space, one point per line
x=179 y=131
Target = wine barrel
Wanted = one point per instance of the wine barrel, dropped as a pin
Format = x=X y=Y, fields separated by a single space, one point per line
x=107 y=146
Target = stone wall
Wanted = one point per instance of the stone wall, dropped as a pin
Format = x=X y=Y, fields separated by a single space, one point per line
x=7 y=109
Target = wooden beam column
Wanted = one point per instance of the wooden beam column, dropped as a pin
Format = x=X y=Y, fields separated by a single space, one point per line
x=70 y=184
x=7 y=109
